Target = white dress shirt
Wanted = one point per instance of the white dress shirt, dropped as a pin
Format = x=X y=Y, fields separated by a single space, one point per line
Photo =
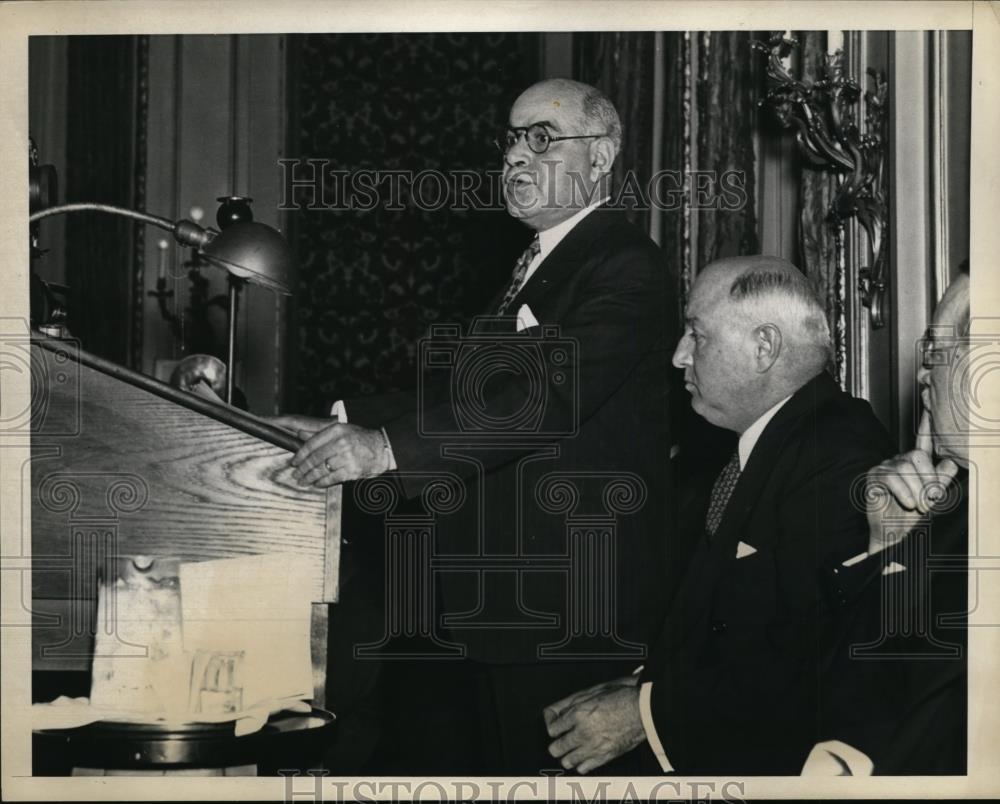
x=550 y=238
x=750 y=436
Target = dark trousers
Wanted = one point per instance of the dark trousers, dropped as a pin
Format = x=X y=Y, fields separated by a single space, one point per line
x=510 y=701
x=466 y=718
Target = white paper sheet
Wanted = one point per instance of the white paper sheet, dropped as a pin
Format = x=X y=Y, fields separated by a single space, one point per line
x=258 y=605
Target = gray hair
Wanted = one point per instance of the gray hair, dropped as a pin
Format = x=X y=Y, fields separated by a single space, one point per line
x=599 y=114
x=779 y=293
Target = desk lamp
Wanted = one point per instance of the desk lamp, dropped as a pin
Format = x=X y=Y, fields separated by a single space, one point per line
x=247 y=250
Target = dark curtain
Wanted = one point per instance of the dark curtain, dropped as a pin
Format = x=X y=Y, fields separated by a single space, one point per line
x=725 y=141
x=104 y=163
x=707 y=107
x=677 y=109
x=621 y=65
x=371 y=281
x=708 y=97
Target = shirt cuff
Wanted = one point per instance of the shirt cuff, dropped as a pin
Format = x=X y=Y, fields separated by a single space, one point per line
x=835 y=758
x=855 y=559
x=646 y=714
x=889 y=569
x=388 y=451
x=338 y=411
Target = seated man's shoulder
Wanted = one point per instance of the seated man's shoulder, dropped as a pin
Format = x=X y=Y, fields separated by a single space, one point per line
x=839 y=431
x=846 y=417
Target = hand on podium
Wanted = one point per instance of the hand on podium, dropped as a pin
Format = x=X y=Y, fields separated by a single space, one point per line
x=336 y=453
x=304 y=427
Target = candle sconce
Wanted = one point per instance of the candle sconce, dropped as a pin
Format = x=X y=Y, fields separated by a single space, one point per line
x=192 y=329
x=823 y=114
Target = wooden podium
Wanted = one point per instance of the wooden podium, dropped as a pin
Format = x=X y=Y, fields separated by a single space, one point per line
x=122 y=464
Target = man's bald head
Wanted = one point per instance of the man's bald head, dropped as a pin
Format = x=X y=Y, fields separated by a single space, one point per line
x=756 y=333
x=594 y=112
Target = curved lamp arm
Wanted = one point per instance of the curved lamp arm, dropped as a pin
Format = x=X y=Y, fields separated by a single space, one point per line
x=246 y=249
x=187 y=233
x=249 y=250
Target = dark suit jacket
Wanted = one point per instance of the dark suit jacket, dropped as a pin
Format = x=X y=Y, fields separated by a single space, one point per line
x=898 y=684
x=602 y=392
x=736 y=671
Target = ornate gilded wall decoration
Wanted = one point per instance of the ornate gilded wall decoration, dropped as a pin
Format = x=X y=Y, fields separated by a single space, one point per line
x=824 y=114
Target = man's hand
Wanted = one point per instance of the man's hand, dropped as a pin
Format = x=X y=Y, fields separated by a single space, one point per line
x=905 y=489
x=595 y=725
x=303 y=427
x=338 y=453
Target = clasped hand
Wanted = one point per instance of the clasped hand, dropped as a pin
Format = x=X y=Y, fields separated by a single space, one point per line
x=596 y=725
x=334 y=452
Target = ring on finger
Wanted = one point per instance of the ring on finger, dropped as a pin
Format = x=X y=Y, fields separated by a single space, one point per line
x=329 y=466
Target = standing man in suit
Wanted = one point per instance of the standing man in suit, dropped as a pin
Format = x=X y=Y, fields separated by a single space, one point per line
x=898 y=699
x=732 y=686
x=591 y=295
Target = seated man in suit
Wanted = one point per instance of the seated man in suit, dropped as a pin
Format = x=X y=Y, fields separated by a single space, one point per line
x=733 y=684
x=897 y=704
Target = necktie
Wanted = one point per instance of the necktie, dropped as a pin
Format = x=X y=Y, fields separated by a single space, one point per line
x=721 y=492
x=517 y=277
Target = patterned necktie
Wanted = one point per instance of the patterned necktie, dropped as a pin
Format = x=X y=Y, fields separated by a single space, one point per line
x=721 y=492
x=517 y=277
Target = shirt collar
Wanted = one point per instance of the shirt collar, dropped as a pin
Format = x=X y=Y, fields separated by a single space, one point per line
x=550 y=238
x=750 y=436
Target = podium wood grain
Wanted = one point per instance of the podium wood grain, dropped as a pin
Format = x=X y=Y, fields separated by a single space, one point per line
x=122 y=466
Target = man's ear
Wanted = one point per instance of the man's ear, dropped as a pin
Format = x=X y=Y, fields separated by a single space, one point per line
x=767 y=346
x=602 y=157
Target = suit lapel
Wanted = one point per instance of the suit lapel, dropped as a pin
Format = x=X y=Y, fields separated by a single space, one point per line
x=764 y=458
x=565 y=258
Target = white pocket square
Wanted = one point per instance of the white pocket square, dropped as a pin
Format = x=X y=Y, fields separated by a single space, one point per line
x=526 y=318
x=743 y=550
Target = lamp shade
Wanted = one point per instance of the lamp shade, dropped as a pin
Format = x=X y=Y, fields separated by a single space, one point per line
x=254 y=252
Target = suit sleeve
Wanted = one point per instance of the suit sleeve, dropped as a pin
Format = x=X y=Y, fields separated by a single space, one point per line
x=614 y=322
x=373 y=411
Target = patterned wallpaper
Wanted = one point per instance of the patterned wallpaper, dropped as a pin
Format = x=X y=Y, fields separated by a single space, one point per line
x=370 y=281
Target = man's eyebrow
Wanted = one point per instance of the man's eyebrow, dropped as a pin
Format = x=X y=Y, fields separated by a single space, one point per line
x=546 y=123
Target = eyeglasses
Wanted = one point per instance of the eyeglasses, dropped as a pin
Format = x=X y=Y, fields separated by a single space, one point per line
x=941 y=346
x=536 y=135
x=934 y=353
